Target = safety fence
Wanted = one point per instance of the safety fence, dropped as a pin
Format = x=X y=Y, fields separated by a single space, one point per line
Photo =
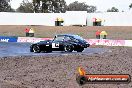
x=105 y=42
x=8 y=39
x=31 y=39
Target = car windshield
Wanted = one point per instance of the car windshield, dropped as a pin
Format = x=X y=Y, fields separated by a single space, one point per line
x=78 y=37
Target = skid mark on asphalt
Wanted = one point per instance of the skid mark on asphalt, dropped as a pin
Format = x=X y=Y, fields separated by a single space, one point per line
x=23 y=49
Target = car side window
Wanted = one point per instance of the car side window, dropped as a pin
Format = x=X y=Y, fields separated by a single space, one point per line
x=67 y=39
x=74 y=40
x=59 y=38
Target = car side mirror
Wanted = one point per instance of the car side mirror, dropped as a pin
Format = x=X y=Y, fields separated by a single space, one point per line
x=53 y=39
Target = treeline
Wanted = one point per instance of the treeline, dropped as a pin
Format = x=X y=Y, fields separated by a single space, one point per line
x=46 y=6
x=53 y=6
x=5 y=6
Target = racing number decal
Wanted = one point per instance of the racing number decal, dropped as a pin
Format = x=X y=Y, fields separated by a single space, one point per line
x=55 y=45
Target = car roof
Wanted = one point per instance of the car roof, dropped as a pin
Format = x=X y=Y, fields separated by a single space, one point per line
x=72 y=35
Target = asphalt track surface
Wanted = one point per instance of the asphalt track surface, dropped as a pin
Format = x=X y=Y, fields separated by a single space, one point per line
x=23 y=49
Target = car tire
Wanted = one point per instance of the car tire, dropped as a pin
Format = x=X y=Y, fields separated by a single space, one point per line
x=68 y=48
x=80 y=50
x=36 y=49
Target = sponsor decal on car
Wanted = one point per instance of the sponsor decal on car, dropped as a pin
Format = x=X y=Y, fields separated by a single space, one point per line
x=55 y=45
x=47 y=45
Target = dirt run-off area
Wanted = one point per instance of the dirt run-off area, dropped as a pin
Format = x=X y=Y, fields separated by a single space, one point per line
x=60 y=71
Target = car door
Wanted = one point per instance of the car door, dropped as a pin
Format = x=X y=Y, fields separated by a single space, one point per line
x=57 y=44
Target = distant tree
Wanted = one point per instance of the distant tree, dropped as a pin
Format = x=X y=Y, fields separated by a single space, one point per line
x=26 y=7
x=58 y=6
x=130 y=6
x=113 y=9
x=36 y=5
x=77 y=6
x=49 y=6
x=91 y=9
x=5 y=6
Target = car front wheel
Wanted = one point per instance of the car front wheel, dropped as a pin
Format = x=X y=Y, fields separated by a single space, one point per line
x=36 y=49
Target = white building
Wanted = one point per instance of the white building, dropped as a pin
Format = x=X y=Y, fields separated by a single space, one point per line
x=69 y=18
x=111 y=18
x=48 y=19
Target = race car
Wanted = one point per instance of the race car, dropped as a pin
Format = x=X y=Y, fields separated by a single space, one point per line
x=62 y=42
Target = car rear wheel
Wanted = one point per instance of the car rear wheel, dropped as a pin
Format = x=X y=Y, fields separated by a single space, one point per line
x=36 y=49
x=68 y=48
x=80 y=50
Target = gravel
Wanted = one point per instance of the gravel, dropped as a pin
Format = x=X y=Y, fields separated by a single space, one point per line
x=60 y=71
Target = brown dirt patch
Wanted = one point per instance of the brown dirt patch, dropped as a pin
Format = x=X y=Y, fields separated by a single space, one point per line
x=86 y=32
x=60 y=71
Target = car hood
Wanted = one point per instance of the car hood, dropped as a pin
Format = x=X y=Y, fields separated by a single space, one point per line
x=83 y=41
